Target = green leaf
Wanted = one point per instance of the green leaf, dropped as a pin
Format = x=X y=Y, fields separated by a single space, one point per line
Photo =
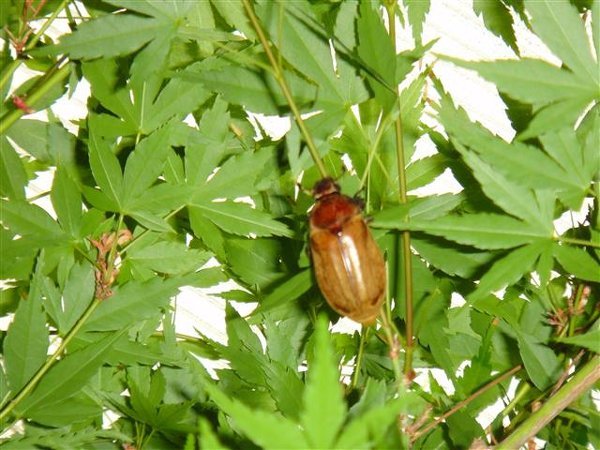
x=566 y=112
x=207 y=437
x=110 y=35
x=589 y=340
x=510 y=269
x=27 y=219
x=497 y=19
x=564 y=148
x=577 y=262
x=12 y=174
x=104 y=77
x=378 y=53
x=106 y=168
x=423 y=171
x=522 y=163
x=241 y=219
x=532 y=80
x=324 y=407
x=79 y=408
x=485 y=231
x=133 y=302
x=541 y=364
x=167 y=257
x=145 y=164
x=26 y=344
x=371 y=426
x=255 y=261
x=417 y=11
x=78 y=293
x=286 y=292
x=263 y=428
x=235 y=178
x=66 y=200
x=511 y=197
x=69 y=375
x=558 y=24
x=47 y=142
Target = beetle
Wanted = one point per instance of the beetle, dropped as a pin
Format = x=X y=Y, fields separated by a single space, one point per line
x=348 y=264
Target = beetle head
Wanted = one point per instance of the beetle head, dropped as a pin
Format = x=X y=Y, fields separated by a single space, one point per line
x=324 y=187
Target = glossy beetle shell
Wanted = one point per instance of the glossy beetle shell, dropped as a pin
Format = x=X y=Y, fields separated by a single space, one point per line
x=348 y=264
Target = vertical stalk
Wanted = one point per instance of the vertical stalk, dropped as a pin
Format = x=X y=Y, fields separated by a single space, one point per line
x=390 y=7
x=278 y=73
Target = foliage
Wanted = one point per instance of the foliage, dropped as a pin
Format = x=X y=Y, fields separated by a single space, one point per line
x=168 y=170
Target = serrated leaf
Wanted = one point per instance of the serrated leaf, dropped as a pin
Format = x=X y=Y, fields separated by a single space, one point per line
x=66 y=200
x=235 y=178
x=558 y=23
x=531 y=80
x=110 y=35
x=207 y=437
x=133 y=302
x=168 y=257
x=286 y=292
x=69 y=375
x=106 y=168
x=578 y=262
x=498 y=20
x=541 y=364
x=566 y=112
x=324 y=407
x=77 y=295
x=145 y=164
x=509 y=269
x=268 y=430
x=522 y=163
x=241 y=219
x=378 y=53
x=563 y=146
x=423 y=171
x=255 y=261
x=485 y=231
x=12 y=174
x=511 y=197
x=27 y=219
x=589 y=340
x=26 y=344
x=417 y=11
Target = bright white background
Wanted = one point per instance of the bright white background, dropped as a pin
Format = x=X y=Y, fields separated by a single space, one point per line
x=460 y=33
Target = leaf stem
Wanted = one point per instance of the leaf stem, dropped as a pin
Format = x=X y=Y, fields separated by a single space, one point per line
x=278 y=73
x=32 y=383
x=53 y=78
x=405 y=235
x=15 y=64
x=466 y=401
x=576 y=241
x=583 y=380
x=359 y=357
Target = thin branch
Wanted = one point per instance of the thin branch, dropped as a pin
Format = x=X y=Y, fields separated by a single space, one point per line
x=581 y=382
x=466 y=401
x=278 y=73
x=405 y=235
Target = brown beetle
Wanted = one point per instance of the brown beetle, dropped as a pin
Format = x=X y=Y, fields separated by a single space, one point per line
x=348 y=264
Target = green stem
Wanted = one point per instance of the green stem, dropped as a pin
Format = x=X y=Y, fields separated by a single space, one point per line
x=466 y=401
x=405 y=235
x=575 y=241
x=15 y=64
x=36 y=37
x=278 y=73
x=361 y=349
x=12 y=116
x=583 y=380
x=31 y=384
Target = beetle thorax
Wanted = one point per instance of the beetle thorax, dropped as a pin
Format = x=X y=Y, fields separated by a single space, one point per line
x=332 y=211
